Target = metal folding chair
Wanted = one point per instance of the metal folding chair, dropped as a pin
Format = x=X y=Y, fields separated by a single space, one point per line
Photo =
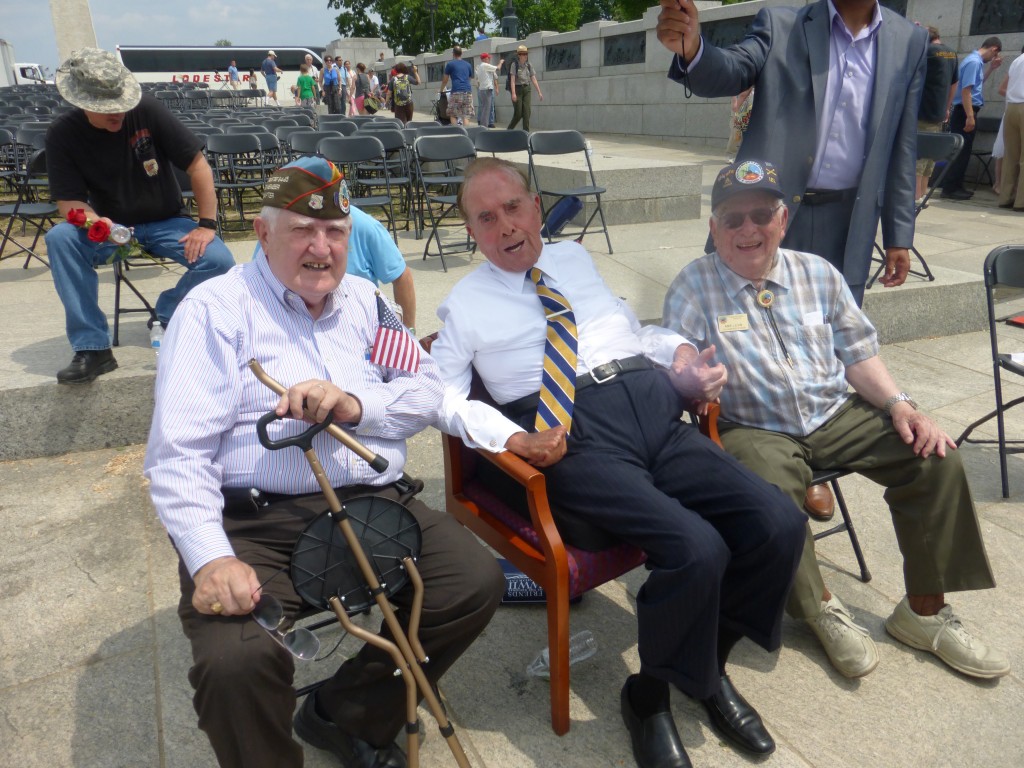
x=366 y=171
x=567 y=143
x=943 y=149
x=440 y=175
x=1004 y=284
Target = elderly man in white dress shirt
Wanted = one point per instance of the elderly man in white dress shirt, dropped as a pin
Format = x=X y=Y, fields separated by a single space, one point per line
x=234 y=511
x=722 y=545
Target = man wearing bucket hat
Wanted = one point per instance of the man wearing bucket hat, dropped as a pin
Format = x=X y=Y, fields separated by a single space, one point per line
x=235 y=511
x=112 y=159
x=786 y=326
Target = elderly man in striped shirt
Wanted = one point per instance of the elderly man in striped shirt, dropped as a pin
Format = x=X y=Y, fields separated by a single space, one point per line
x=792 y=337
x=234 y=510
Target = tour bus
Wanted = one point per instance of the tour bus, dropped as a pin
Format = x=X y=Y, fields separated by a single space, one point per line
x=209 y=64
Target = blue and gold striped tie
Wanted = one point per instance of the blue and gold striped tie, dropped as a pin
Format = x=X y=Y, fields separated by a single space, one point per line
x=558 y=383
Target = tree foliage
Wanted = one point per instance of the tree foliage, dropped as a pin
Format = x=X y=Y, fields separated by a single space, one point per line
x=535 y=15
x=405 y=24
x=223 y=43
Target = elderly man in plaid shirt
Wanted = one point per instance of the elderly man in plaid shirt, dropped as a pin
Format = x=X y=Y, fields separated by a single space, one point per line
x=792 y=337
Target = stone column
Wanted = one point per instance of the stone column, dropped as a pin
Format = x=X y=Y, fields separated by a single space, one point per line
x=72 y=25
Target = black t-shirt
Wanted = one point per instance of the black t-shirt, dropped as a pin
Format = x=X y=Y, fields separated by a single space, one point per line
x=941 y=73
x=127 y=175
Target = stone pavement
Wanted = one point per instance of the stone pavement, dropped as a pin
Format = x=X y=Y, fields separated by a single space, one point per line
x=93 y=663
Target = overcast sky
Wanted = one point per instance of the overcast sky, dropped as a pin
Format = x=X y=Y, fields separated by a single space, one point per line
x=28 y=25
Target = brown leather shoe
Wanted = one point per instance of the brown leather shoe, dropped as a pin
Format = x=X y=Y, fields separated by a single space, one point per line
x=819 y=502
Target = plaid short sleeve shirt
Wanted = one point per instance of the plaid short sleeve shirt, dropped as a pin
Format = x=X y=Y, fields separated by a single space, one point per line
x=791 y=381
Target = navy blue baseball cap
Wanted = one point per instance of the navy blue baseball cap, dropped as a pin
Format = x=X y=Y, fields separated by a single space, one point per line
x=745 y=176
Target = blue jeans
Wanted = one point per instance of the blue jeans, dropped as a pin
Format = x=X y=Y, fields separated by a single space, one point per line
x=73 y=259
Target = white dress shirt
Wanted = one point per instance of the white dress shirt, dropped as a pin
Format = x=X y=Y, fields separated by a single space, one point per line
x=494 y=322
x=203 y=436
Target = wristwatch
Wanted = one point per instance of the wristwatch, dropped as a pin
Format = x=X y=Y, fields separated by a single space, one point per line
x=208 y=224
x=902 y=397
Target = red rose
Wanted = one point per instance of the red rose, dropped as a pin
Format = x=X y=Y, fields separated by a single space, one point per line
x=99 y=231
x=77 y=216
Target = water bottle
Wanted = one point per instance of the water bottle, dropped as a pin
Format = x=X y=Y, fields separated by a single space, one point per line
x=582 y=646
x=156 y=336
x=120 y=234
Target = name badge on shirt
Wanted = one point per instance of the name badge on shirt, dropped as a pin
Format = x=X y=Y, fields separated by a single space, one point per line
x=727 y=323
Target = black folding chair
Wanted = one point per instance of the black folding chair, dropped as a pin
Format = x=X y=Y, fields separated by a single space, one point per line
x=366 y=172
x=306 y=142
x=832 y=476
x=567 y=143
x=1004 y=284
x=499 y=140
x=942 y=148
x=440 y=176
x=238 y=167
x=30 y=208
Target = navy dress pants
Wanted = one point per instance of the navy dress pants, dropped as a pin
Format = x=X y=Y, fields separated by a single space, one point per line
x=722 y=544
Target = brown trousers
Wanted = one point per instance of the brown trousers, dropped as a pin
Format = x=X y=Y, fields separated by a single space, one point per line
x=936 y=525
x=243 y=679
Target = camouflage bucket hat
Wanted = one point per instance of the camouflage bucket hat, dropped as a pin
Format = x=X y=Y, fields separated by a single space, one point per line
x=95 y=80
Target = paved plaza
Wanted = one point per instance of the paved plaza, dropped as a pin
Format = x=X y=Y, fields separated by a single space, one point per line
x=93 y=663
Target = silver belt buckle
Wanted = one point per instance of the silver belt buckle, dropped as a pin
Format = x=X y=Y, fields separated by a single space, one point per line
x=613 y=366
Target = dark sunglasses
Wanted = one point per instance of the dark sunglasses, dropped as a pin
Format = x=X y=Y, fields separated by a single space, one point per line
x=735 y=219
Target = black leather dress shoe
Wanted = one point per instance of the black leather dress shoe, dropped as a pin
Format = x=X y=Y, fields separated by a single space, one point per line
x=86 y=366
x=655 y=739
x=737 y=721
x=353 y=753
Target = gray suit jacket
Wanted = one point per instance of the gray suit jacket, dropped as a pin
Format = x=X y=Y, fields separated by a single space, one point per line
x=786 y=56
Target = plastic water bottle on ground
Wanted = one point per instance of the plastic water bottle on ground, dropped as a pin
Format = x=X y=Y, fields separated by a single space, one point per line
x=156 y=337
x=582 y=646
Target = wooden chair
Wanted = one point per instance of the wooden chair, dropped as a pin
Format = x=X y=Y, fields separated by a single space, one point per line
x=535 y=545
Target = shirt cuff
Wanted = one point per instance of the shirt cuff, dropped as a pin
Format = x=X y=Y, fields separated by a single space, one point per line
x=203 y=544
x=374 y=412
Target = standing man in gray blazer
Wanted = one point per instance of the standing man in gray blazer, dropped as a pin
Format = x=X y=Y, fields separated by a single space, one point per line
x=838 y=86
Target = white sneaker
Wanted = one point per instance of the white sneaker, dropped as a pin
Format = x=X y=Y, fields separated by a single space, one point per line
x=848 y=645
x=946 y=637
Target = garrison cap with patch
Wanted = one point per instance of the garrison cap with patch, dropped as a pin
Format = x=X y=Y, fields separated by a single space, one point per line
x=311 y=186
x=95 y=80
x=745 y=176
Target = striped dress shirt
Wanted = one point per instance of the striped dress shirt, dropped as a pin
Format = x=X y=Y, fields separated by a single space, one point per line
x=203 y=435
x=821 y=326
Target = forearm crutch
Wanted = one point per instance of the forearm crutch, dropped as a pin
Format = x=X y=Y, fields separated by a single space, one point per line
x=405 y=649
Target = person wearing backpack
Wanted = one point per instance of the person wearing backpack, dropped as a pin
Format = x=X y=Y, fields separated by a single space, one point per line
x=400 y=89
x=522 y=80
x=362 y=81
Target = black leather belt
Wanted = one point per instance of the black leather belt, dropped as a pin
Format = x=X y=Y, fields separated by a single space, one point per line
x=248 y=500
x=598 y=375
x=825 y=196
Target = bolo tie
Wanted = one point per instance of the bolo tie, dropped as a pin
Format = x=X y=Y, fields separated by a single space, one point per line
x=765 y=299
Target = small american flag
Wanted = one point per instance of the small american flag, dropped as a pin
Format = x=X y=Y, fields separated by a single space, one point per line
x=393 y=347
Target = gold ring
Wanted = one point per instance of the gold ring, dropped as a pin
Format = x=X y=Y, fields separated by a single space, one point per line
x=216 y=607
x=318 y=384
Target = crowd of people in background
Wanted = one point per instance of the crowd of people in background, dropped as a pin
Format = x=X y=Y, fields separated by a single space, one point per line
x=360 y=89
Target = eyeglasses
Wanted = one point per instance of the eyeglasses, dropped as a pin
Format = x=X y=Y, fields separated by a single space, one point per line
x=298 y=641
x=735 y=219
